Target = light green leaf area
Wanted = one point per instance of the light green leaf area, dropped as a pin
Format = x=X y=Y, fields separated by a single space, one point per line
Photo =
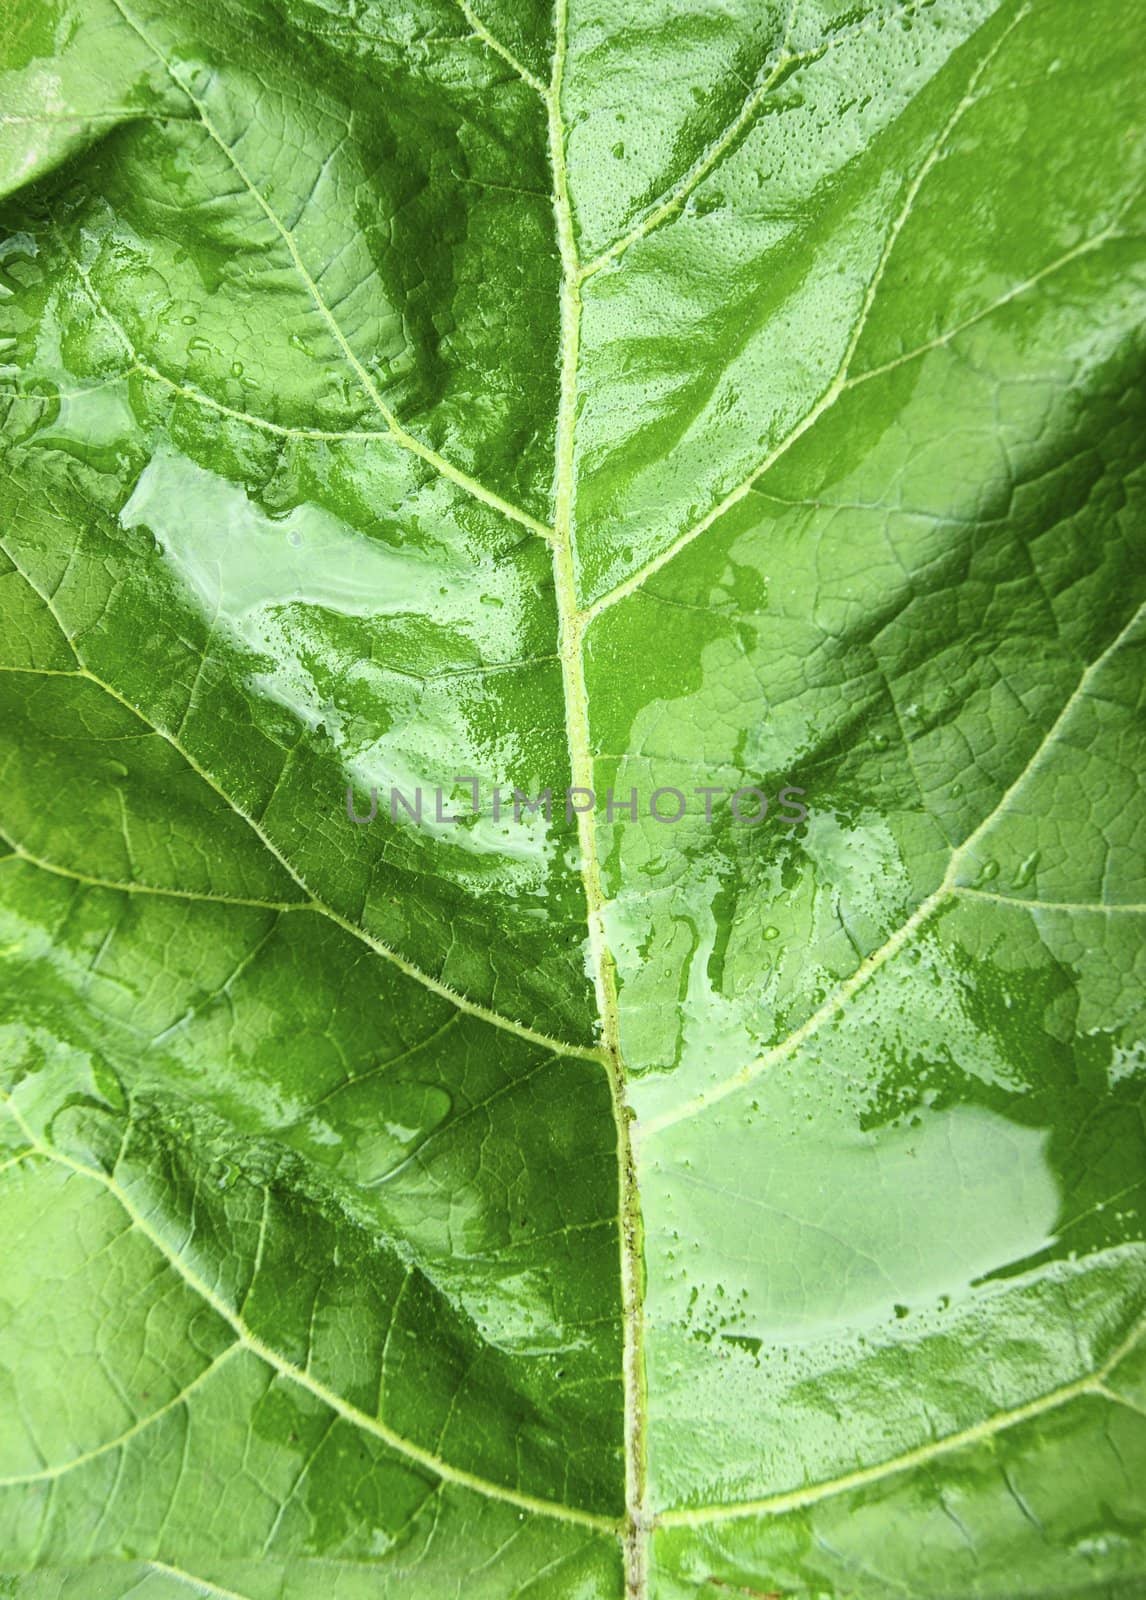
x=740 y=393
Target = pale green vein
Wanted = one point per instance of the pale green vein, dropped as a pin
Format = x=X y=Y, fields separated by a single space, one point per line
x=487 y=38
x=1122 y=1399
x=1086 y=247
x=571 y=649
x=673 y=200
x=1069 y=907
x=496 y=1019
x=207 y=999
x=677 y=197
x=165 y=893
x=61 y=1469
x=837 y=1001
x=193 y=1582
x=123 y=114
x=1092 y=1384
x=188 y=391
x=43 y=672
x=355 y=1079
x=839 y=381
x=401 y=435
x=249 y=1340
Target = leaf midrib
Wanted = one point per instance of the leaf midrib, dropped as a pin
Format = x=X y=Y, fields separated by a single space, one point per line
x=571 y=627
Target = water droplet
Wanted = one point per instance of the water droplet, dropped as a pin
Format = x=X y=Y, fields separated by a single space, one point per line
x=771 y=933
x=1027 y=870
x=989 y=870
x=880 y=741
x=704 y=204
x=236 y=369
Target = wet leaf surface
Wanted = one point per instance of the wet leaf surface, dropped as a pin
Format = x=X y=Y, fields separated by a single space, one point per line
x=724 y=398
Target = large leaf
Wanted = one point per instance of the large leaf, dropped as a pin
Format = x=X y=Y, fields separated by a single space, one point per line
x=734 y=394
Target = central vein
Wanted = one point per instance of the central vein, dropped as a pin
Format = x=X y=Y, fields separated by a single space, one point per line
x=571 y=626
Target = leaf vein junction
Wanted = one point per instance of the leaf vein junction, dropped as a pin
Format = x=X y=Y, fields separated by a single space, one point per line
x=496 y=1019
x=840 y=381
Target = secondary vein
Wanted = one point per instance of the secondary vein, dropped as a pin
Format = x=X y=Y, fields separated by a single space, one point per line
x=1093 y=1384
x=397 y=431
x=249 y=1340
x=436 y=986
x=194 y=1582
x=839 y=381
x=492 y=43
x=948 y=887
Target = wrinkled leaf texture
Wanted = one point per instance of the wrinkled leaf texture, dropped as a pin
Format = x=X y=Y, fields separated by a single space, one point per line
x=641 y=396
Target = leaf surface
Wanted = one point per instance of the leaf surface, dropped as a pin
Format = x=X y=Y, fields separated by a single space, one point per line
x=732 y=396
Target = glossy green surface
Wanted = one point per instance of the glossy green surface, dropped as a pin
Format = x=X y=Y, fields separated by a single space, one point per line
x=740 y=393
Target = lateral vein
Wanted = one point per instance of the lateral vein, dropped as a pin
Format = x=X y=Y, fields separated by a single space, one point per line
x=305 y=1380
x=839 y=381
x=495 y=44
x=61 y=1469
x=193 y=1582
x=436 y=986
x=673 y=199
x=947 y=887
x=400 y=434
x=18 y=853
x=1071 y=907
x=795 y=1499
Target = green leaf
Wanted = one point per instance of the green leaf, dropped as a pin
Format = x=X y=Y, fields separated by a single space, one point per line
x=745 y=395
